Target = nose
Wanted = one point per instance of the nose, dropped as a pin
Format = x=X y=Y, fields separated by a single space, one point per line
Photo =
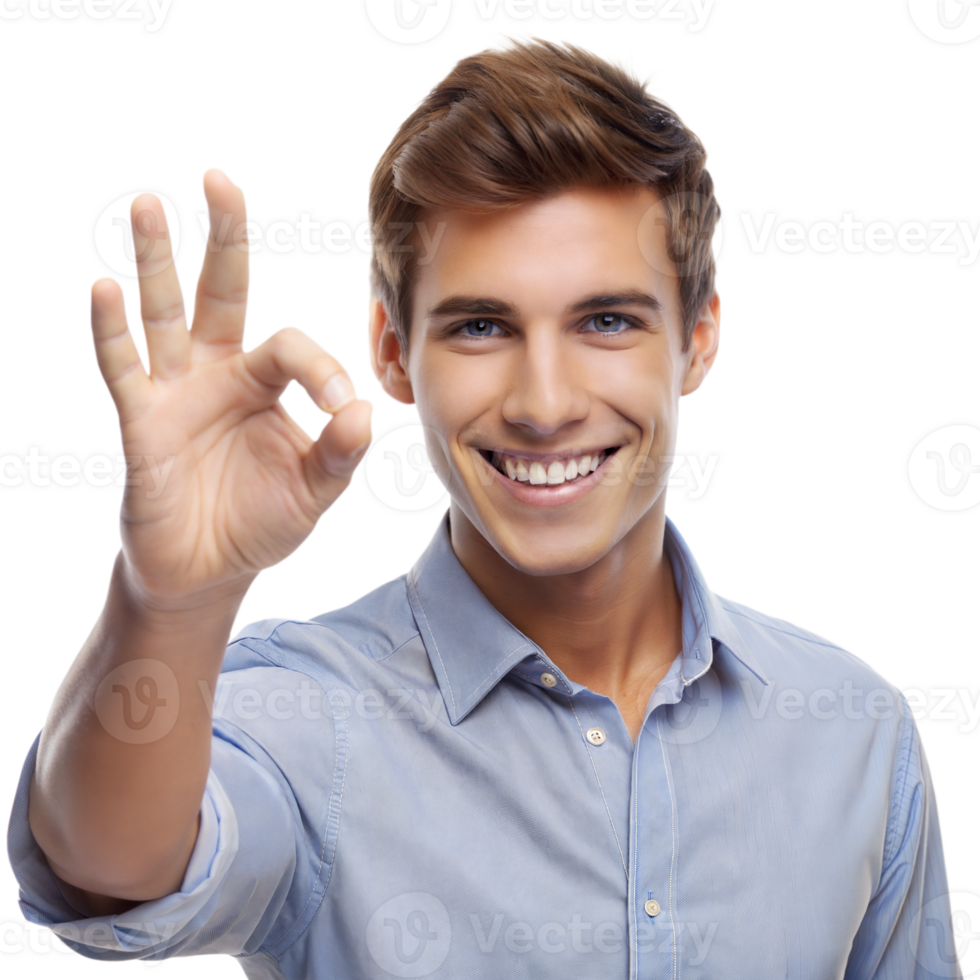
x=545 y=392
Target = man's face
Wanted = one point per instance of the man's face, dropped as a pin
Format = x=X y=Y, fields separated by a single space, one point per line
x=545 y=359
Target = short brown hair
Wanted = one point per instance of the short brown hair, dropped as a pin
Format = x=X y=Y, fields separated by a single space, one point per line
x=508 y=127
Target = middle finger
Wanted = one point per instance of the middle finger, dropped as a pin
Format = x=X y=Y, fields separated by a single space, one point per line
x=161 y=304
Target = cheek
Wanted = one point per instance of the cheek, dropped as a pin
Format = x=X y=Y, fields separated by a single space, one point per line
x=451 y=390
x=637 y=384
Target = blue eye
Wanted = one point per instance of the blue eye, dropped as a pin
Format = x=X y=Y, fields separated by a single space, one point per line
x=480 y=328
x=609 y=323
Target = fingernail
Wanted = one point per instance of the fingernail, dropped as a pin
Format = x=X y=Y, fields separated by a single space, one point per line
x=337 y=391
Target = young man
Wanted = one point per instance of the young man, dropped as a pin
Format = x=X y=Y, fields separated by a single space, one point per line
x=549 y=750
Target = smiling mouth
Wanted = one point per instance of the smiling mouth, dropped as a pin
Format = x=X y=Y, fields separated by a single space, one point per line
x=552 y=471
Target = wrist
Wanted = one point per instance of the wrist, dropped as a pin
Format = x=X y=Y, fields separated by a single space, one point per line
x=216 y=604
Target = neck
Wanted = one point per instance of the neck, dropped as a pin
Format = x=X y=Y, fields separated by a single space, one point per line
x=614 y=627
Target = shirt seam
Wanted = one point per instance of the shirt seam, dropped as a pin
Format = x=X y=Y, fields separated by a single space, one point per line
x=333 y=853
x=418 y=601
x=892 y=839
x=673 y=850
x=595 y=772
x=276 y=660
x=796 y=633
x=692 y=592
x=415 y=636
x=243 y=640
x=495 y=668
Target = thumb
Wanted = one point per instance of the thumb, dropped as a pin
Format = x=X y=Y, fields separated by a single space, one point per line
x=332 y=459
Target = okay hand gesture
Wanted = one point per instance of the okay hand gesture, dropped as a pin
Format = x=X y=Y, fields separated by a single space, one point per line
x=224 y=482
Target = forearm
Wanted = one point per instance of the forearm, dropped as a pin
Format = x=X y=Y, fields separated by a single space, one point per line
x=115 y=800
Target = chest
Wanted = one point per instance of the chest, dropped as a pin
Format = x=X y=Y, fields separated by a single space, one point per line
x=513 y=844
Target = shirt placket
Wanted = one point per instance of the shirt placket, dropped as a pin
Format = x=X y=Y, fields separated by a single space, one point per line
x=656 y=943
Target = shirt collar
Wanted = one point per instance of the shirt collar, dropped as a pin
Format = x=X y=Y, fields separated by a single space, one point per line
x=471 y=646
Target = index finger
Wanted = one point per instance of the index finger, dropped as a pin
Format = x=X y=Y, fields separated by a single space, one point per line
x=222 y=290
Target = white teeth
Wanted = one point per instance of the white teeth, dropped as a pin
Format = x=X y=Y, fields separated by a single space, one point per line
x=554 y=473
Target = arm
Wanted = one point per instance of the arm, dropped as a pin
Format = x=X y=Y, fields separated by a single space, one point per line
x=907 y=929
x=225 y=484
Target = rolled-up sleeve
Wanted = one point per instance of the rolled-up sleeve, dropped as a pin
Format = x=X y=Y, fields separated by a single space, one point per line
x=907 y=931
x=237 y=880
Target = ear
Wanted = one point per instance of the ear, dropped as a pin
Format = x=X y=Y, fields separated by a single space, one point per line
x=386 y=354
x=704 y=345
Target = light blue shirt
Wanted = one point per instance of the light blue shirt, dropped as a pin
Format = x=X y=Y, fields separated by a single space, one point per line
x=410 y=787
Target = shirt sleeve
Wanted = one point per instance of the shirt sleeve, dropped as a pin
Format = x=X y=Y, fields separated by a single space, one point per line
x=237 y=880
x=907 y=932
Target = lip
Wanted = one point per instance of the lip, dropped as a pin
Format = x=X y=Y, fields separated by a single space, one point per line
x=544 y=495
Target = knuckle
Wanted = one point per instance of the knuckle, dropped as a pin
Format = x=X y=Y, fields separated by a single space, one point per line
x=166 y=316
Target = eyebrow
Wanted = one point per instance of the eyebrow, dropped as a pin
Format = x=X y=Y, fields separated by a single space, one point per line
x=472 y=306
x=460 y=305
x=632 y=297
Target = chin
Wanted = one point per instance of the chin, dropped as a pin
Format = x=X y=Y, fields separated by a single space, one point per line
x=547 y=551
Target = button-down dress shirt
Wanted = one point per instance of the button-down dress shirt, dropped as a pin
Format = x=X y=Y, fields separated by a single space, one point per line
x=410 y=787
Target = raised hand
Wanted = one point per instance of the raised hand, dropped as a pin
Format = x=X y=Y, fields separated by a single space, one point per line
x=228 y=483
x=224 y=484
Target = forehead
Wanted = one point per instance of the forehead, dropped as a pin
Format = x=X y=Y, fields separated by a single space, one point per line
x=543 y=253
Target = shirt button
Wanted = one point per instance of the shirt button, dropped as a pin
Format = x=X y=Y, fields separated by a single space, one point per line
x=652 y=907
x=596 y=736
x=549 y=680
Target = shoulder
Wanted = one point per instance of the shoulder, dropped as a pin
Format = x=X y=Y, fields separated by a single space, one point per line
x=789 y=654
x=373 y=628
